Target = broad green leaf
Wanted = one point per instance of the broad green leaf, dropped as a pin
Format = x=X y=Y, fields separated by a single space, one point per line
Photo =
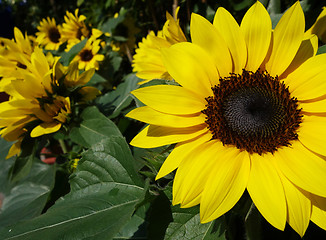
x=26 y=198
x=113 y=102
x=66 y=57
x=105 y=190
x=93 y=128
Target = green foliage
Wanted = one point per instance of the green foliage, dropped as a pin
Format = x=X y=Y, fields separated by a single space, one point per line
x=104 y=186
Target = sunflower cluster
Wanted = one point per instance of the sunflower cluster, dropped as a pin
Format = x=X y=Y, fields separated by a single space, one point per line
x=42 y=92
x=247 y=114
x=51 y=36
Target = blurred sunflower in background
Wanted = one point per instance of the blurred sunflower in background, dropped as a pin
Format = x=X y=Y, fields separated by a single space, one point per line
x=49 y=34
x=42 y=95
x=89 y=56
x=248 y=115
x=147 y=62
x=74 y=28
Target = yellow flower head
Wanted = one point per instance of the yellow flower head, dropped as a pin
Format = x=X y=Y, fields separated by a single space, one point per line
x=74 y=28
x=40 y=98
x=49 y=34
x=88 y=57
x=147 y=61
x=248 y=114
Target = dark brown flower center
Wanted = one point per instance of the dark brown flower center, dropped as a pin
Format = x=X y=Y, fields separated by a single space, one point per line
x=54 y=34
x=86 y=55
x=254 y=112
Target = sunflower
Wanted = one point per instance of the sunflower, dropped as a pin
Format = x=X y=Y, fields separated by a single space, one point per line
x=248 y=114
x=74 y=28
x=147 y=62
x=49 y=34
x=40 y=101
x=89 y=57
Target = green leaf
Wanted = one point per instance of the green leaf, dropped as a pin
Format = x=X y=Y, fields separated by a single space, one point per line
x=113 y=102
x=96 y=78
x=66 y=57
x=136 y=227
x=25 y=199
x=24 y=162
x=112 y=23
x=93 y=128
x=321 y=50
x=105 y=190
x=4 y=148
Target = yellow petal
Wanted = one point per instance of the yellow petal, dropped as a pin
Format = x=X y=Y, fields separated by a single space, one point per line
x=299 y=206
x=193 y=172
x=266 y=190
x=233 y=36
x=151 y=116
x=45 y=128
x=14 y=149
x=314 y=106
x=154 y=136
x=256 y=26
x=302 y=167
x=226 y=184
x=180 y=151
x=287 y=37
x=183 y=62
x=170 y=99
x=312 y=133
x=307 y=49
x=318 y=215
x=308 y=80
x=204 y=34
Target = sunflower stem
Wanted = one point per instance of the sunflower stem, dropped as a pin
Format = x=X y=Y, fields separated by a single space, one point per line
x=63 y=145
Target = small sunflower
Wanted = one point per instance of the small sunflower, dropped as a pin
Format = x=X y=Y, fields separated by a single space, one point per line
x=49 y=34
x=89 y=57
x=40 y=99
x=147 y=62
x=74 y=28
x=249 y=114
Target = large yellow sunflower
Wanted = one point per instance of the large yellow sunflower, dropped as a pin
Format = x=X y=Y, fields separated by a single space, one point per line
x=249 y=113
x=147 y=62
x=89 y=57
x=49 y=34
